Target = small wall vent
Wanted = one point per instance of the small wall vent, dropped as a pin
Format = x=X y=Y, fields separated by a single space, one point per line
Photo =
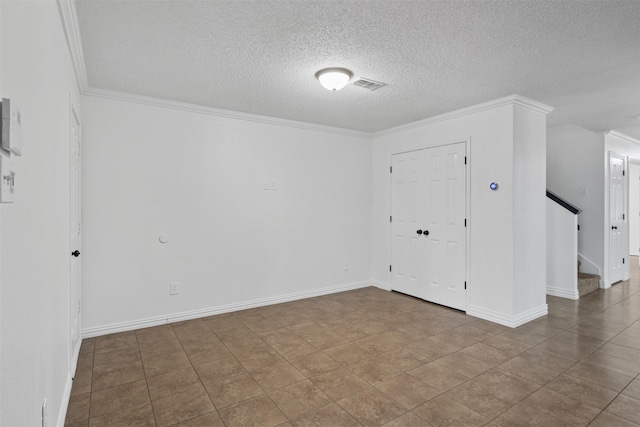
x=368 y=84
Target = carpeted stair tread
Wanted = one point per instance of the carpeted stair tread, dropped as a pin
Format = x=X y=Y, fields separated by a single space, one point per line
x=587 y=283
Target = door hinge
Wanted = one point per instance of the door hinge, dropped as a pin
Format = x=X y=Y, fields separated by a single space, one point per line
x=390 y=169
x=389 y=268
x=465 y=222
x=623 y=260
x=465 y=285
x=390 y=218
x=465 y=160
x=578 y=227
x=623 y=216
x=622 y=172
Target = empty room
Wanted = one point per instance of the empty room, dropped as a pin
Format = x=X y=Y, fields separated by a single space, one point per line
x=319 y=213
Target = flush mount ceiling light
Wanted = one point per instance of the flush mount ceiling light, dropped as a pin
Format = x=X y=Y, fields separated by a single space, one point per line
x=334 y=78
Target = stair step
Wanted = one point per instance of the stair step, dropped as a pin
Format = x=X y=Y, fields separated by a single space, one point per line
x=587 y=283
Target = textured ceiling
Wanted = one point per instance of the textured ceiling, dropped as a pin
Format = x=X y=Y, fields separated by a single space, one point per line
x=260 y=57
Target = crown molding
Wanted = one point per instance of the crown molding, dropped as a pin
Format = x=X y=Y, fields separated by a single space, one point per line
x=623 y=136
x=193 y=108
x=508 y=100
x=69 y=18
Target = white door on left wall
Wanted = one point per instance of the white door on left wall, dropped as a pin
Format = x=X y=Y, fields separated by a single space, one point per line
x=74 y=236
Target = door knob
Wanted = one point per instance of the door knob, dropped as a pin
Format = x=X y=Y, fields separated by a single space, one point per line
x=613 y=227
x=425 y=232
x=75 y=253
x=419 y=231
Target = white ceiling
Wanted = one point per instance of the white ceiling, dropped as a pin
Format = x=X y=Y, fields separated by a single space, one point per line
x=581 y=57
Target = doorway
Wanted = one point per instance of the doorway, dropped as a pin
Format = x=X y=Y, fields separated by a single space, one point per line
x=617 y=227
x=74 y=236
x=428 y=224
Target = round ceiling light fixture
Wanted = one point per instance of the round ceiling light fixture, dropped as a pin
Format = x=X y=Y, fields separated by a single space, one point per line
x=334 y=78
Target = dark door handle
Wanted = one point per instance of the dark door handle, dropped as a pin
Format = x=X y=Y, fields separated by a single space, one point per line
x=75 y=253
x=613 y=227
x=419 y=231
x=425 y=232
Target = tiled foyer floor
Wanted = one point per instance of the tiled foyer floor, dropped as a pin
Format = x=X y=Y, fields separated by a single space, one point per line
x=371 y=357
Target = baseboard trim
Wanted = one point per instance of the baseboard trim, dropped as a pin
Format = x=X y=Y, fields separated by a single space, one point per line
x=64 y=405
x=508 y=320
x=382 y=285
x=211 y=311
x=562 y=293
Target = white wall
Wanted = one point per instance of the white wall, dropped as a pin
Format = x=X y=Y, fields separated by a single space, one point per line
x=492 y=132
x=562 y=245
x=37 y=74
x=199 y=178
x=574 y=160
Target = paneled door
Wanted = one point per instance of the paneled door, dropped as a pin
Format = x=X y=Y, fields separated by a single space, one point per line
x=618 y=246
x=74 y=235
x=428 y=205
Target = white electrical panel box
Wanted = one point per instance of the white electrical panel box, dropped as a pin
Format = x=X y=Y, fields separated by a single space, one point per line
x=11 y=127
x=7 y=179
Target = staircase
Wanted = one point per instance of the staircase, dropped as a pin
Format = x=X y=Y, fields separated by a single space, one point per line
x=587 y=283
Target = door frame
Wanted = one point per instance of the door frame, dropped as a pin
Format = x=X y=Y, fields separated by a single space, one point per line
x=74 y=352
x=418 y=147
x=607 y=216
x=635 y=161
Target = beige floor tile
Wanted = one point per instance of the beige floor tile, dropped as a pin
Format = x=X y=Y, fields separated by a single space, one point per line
x=258 y=412
x=260 y=359
x=539 y=357
x=407 y=390
x=340 y=383
x=374 y=371
x=211 y=371
x=599 y=376
x=111 y=360
x=444 y=411
x=212 y=419
x=167 y=363
x=402 y=358
x=172 y=383
x=606 y=419
x=622 y=352
x=347 y=353
x=438 y=376
x=633 y=389
x=613 y=363
x=299 y=398
x=120 y=341
x=314 y=364
x=293 y=349
x=521 y=415
x=330 y=415
x=523 y=368
x=139 y=416
x=478 y=398
x=371 y=407
x=486 y=353
x=125 y=373
x=207 y=354
x=505 y=386
x=625 y=407
x=566 y=408
x=408 y=419
x=160 y=348
x=507 y=345
x=182 y=407
x=233 y=389
x=587 y=393
x=78 y=408
x=464 y=364
x=277 y=376
x=119 y=398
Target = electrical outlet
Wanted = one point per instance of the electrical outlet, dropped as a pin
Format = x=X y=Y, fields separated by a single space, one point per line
x=174 y=288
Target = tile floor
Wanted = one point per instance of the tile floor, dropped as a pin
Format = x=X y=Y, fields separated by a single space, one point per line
x=370 y=357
